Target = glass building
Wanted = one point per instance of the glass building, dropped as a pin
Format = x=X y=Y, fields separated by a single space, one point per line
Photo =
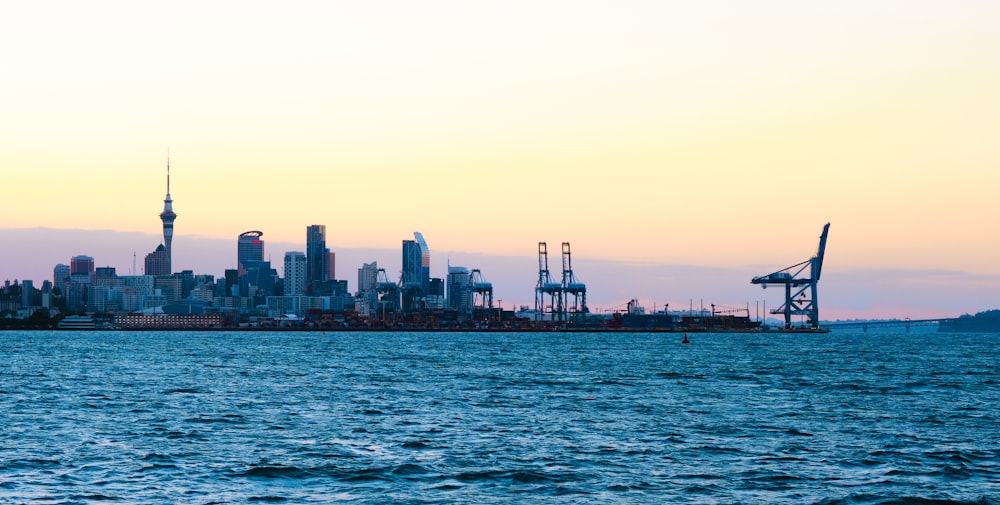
x=317 y=258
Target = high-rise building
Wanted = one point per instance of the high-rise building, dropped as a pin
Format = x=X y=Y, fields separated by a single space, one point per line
x=318 y=266
x=295 y=273
x=416 y=263
x=367 y=276
x=106 y=276
x=249 y=247
x=27 y=293
x=60 y=274
x=168 y=216
x=158 y=262
x=81 y=265
x=259 y=280
x=459 y=296
x=230 y=285
x=331 y=265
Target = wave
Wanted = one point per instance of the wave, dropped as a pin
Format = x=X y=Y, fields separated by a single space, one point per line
x=868 y=499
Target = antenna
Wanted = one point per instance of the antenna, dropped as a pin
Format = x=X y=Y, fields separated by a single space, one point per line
x=168 y=170
x=133 y=263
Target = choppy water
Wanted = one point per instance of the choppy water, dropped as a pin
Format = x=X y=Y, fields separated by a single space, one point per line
x=509 y=418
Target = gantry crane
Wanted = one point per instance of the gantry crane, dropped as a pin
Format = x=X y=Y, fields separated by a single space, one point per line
x=482 y=291
x=572 y=287
x=546 y=287
x=388 y=294
x=803 y=300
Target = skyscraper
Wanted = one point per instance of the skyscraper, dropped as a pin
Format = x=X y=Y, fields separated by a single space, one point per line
x=249 y=247
x=158 y=262
x=168 y=216
x=459 y=285
x=295 y=273
x=318 y=264
x=60 y=274
x=27 y=293
x=416 y=263
x=81 y=265
x=367 y=276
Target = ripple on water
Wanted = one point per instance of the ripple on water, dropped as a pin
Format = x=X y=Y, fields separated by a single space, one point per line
x=471 y=418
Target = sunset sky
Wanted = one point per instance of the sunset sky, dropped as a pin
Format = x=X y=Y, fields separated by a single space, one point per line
x=712 y=134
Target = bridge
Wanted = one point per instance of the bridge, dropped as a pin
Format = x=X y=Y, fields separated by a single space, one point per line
x=904 y=323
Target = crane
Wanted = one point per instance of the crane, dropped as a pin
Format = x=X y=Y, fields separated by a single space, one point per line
x=482 y=291
x=802 y=301
x=571 y=286
x=546 y=287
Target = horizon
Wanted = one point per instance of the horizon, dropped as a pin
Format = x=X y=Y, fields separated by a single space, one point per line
x=611 y=283
x=706 y=141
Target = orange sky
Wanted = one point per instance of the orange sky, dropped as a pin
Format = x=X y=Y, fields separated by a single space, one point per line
x=718 y=134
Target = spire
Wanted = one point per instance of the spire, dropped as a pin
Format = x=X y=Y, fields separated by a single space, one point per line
x=168 y=203
x=168 y=216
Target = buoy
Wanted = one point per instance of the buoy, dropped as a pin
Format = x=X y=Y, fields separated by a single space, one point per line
x=685 y=341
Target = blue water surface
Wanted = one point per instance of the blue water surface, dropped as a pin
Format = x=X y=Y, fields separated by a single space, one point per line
x=216 y=417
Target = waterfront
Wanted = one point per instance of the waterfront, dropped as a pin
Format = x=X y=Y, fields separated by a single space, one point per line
x=217 y=417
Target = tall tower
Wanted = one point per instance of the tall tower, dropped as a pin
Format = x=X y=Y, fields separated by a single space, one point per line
x=318 y=263
x=249 y=248
x=295 y=273
x=168 y=216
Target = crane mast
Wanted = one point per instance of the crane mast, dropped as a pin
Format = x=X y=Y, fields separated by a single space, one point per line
x=800 y=281
x=545 y=287
x=572 y=288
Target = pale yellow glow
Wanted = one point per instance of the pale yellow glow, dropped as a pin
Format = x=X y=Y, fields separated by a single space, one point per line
x=701 y=132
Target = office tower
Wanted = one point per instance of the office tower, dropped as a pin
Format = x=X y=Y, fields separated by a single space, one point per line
x=367 y=276
x=158 y=262
x=27 y=293
x=47 y=294
x=317 y=268
x=416 y=263
x=167 y=216
x=231 y=283
x=459 y=296
x=259 y=281
x=60 y=274
x=331 y=265
x=106 y=276
x=434 y=295
x=249 y=247
x=295 y=273
x=81 y=265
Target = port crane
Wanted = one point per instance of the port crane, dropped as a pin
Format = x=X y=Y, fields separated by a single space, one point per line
x=572 y=288
x=482 y=291
x=387 y=292
x=546 y=287
x=800 y=282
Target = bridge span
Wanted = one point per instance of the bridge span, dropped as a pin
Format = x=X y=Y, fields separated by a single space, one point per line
x=898 y=323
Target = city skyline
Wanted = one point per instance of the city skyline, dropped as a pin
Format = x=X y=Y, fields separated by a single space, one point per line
x=717 y=136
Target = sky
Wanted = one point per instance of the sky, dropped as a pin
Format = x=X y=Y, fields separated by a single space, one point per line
x=713 y=135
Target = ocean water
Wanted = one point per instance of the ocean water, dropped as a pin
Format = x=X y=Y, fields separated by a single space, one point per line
x=191 y=417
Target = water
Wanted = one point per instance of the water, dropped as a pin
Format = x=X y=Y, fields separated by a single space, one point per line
x=842 y=418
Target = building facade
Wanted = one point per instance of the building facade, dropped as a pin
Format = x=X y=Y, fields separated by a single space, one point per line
x=158 y=262
x=296 y=267
x=459 y=287
x=318 y=266
x=249 y=248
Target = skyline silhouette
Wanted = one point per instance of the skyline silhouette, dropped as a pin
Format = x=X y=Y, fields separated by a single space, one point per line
x=716 y=135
